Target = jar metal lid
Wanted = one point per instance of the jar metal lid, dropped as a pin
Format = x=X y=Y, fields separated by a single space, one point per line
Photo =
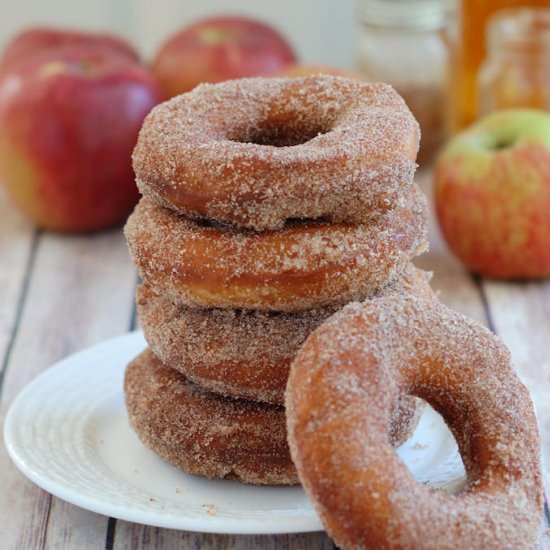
x=406 y=14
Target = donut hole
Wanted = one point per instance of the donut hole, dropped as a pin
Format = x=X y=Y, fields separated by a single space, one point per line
x=282 y=135
x=429 y=454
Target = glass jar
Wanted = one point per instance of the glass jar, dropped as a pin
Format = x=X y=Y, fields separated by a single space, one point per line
x=404 y=43
x=516 y=72
x=472 y=18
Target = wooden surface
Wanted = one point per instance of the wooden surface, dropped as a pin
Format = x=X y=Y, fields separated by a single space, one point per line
x=61 y=294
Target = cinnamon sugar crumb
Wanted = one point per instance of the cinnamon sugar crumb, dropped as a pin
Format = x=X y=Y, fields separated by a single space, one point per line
x=211 y=509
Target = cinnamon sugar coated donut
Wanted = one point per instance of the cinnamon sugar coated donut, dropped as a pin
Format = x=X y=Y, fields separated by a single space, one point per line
x=299 y=267
x=240 y=353
x=256 y=152
x=204 y=433
x=343 y=386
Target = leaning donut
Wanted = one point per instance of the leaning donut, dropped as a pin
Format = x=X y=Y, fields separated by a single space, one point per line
x=240 y=353
x=299 y=267
x=343 y=386
x=256 y=152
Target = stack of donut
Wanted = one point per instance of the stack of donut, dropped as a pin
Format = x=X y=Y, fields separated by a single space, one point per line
x=268 y=204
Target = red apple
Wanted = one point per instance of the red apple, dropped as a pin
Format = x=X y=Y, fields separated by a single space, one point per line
x=220 y=48
x=68 y=124
x=40 y=40
x=492 y=195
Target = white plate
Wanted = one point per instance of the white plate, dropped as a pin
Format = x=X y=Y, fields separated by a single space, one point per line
x=67 y=431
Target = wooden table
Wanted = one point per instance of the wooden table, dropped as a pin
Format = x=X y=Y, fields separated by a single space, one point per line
x=61 y=294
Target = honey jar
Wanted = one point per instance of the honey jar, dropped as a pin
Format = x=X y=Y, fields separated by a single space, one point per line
x=469 y=53
x=516 y=72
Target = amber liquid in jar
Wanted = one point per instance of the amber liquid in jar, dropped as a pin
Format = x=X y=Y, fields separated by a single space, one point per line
x=470 y=52
x=516 y=72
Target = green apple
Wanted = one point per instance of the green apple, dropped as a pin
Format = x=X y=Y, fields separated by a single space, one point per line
x=492 y=195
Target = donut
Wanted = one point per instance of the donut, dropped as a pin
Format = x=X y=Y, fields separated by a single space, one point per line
x=204 y=433
x=299 y=267
x=257 y=152
x=207 y=434
x=345 y=384
x=240 y=353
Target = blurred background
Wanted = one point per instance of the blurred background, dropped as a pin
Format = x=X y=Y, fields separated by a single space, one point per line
x=66 y=88
x=320 y=31
x=72 y=102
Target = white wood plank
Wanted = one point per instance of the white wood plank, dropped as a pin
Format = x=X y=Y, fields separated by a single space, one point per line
x=80 y=292
x=521 y=316
x=131 y=536
x=16 y=237
x=70 y=527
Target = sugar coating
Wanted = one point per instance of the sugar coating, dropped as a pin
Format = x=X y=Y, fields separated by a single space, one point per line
x=207 y=434
x=343 y=386
x=204 y=433
x=256 y=152
x=302 y=266
x=241 y=353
